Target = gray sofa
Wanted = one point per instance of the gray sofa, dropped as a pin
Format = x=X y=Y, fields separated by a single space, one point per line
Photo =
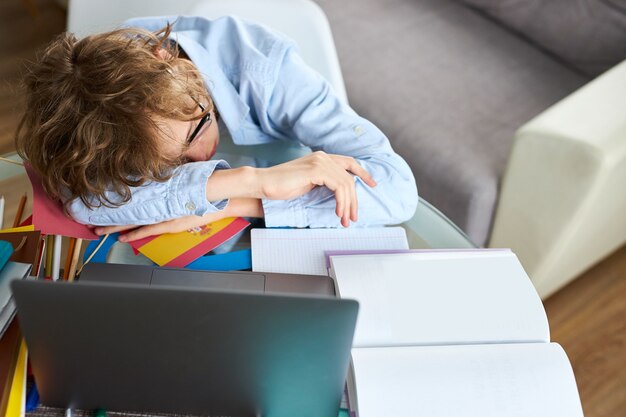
x=450 y=81
x=490 y=101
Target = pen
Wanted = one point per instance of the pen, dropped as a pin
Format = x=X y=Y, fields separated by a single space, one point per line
x=20 y=211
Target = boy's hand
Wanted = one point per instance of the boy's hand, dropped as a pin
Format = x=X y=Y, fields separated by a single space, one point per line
x=297 y=177
x=242 y=207
x=170 y=226
x=293 y=179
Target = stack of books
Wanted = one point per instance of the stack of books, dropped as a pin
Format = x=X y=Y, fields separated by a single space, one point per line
x=13 y=355
x=21 y=253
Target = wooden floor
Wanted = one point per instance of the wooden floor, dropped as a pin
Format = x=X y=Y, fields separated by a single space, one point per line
x=588 y=317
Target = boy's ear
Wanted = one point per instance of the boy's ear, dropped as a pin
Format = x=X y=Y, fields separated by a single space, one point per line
x=162 y=54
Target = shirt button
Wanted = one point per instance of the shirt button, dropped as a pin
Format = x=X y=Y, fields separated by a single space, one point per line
x=190 y=206
x=358 y=130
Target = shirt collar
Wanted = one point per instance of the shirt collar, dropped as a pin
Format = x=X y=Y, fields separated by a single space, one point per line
x=232 y=108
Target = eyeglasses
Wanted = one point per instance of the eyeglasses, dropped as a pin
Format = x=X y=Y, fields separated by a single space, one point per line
x=204 y=120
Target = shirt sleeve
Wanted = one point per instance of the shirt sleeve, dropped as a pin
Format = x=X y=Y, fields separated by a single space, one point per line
x=302 y=106
x=183 y=194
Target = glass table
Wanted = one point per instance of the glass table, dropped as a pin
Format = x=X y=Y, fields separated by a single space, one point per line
x=428 y=228
x=431 y=229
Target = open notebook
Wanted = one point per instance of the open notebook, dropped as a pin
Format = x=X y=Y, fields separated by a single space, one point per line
x=451 y=334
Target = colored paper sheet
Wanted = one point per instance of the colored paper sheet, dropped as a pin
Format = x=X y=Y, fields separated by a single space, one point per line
x=101 y=255
x=229 y=261
x=28 y=228
x=17 y=395
x=180 y=249
x=27 y=221
x=48 y=215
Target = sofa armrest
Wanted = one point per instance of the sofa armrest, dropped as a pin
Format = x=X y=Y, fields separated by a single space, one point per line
x=563 y=201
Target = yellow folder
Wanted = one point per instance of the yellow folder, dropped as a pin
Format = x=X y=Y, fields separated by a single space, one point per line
x=17 y=396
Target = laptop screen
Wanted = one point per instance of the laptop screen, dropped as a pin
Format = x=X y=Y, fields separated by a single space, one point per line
x=137 y=348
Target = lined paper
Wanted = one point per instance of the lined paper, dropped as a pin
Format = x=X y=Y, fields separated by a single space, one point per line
x=532 y=379
x=301 y=251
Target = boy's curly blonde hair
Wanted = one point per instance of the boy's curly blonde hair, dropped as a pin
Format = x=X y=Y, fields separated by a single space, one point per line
x=90 y=104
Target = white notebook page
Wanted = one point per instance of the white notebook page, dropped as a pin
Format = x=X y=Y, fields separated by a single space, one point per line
x=301 y=251
x=441 y=298
x=533 y=379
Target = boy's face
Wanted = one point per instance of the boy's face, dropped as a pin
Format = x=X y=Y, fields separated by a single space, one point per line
x=177 y=133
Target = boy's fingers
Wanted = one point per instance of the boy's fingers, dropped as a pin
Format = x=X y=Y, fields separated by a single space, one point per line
x=347 y=213
x=365 y=176
x=338 y=203
x=350 y=164
x=354 y=214
x=140 y=233
x=105 y=230
x=169 y=226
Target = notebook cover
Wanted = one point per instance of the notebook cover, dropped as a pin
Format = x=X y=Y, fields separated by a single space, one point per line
x=6 y=250
x=25 y=247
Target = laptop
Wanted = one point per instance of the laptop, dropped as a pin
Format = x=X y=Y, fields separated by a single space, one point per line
x=166 y=348
x=262 y=282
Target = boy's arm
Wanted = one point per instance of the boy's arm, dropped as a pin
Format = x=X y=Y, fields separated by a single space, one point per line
x=200 y=189
x=303 y=107
x=184 y=194
x=244 y=187
x=237 y=207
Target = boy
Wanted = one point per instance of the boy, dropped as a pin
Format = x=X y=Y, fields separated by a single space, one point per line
x=121 y=126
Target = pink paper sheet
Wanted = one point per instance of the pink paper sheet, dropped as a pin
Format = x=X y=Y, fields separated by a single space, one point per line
x=48 y=215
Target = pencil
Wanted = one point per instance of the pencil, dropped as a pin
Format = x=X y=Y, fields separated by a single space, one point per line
x=20 y=211
x=39 y=265
x=68 y=258
x=75 y=256
x=47 y=271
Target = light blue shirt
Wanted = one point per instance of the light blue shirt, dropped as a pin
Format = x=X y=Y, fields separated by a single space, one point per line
x=266 y=93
